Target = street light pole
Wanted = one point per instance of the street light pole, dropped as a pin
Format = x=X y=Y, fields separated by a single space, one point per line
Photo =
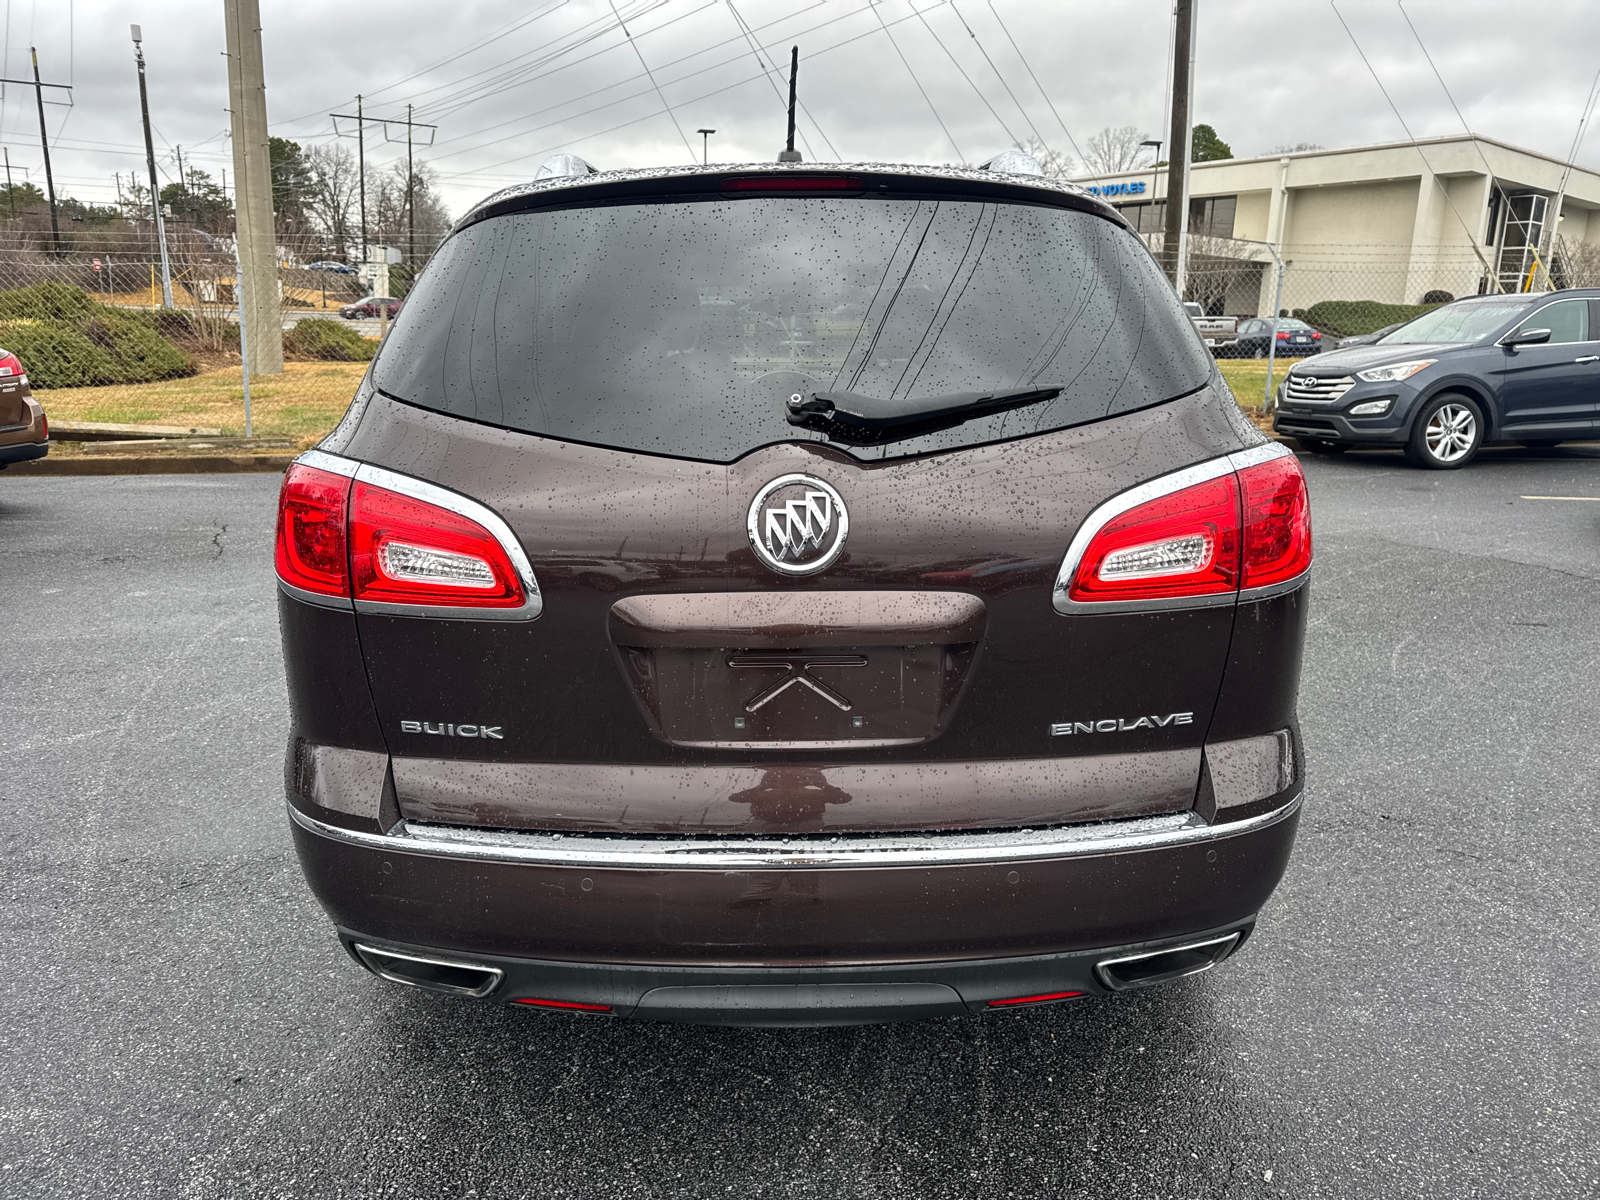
x=150 y=160
x=705 y=145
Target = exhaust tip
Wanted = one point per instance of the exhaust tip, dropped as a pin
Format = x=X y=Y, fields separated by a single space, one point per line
x=434 y=974
x=1161 y=966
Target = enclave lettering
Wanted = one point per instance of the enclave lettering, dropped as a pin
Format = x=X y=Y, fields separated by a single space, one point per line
x=1121 y=724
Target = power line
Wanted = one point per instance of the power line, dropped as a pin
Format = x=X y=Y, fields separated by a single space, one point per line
x=1011 y=138
x=586 y=95
x=484 y=170
x=610 y=86
x=653 y=83
x=1416 y=146
x=527 y=72
x=999 y=76
x=766 y=69
x=510 y=27
x=959 y=156
x=641 y=92
x=1036 y=82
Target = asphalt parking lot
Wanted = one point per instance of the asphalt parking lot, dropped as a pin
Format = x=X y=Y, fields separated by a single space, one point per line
x=1416 y=1016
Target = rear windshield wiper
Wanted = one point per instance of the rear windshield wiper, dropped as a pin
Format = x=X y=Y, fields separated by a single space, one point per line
x=851 y=417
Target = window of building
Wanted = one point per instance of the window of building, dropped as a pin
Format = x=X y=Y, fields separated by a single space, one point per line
x=1211 y=216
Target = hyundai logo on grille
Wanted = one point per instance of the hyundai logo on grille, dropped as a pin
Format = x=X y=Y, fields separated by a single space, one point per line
x=797 y=524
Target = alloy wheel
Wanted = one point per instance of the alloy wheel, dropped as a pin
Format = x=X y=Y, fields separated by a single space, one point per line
x=1451 y=432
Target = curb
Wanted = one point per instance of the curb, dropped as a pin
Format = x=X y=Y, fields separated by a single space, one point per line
x=165 y=464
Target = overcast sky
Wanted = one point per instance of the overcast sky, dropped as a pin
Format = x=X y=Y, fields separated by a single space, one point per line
x=508 y=83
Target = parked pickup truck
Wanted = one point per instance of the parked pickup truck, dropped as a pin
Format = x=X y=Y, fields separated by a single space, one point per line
x=1219 y=332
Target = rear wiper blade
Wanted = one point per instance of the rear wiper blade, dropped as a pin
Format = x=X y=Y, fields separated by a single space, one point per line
x=871 y=415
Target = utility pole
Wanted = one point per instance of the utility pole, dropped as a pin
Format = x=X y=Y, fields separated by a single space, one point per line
x=360 y=118
x=150 y=160
x=44 y=143
x=260 y=305
x=705 y=145
x=11 y=193
x=1174 y=242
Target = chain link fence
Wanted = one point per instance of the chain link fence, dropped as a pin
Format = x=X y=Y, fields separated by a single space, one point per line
x=87 y=316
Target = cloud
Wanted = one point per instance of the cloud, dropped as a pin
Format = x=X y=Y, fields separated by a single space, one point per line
x=507 y=82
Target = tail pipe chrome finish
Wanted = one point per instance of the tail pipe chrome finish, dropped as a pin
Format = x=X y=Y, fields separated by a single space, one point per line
x=435 y=974
x=1159 y=966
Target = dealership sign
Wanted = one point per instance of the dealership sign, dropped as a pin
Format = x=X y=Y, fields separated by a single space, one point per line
x=1118 y=189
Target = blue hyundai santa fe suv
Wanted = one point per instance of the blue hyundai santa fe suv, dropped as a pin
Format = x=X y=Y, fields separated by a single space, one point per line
x=1519 y=368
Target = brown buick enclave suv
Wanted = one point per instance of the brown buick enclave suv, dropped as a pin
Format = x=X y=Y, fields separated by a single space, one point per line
x=24 y=432
x=793 y=595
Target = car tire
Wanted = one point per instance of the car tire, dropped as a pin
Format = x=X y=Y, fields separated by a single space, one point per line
x=1447 y=433
x=1321 y=446
x=1260 y=352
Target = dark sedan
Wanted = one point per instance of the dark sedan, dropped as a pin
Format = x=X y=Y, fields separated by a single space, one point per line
x=1523 y=368
x=371 y=306
x=1294 y=337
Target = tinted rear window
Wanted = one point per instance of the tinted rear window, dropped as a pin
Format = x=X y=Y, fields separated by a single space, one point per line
x=681 y=327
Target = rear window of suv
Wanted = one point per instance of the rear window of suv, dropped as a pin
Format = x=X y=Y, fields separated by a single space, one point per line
x=681 y=327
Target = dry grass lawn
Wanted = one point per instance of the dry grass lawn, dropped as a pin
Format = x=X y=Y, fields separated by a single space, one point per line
x=303 y=403
x=1248 y=377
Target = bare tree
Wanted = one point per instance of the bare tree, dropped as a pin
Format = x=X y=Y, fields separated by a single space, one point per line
x=1056 y=165
x=331 y=196
x=1216 y=266
x=1114 y=150
x=1577 y=264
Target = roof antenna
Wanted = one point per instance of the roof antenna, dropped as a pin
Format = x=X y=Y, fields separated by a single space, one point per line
x=789 y=153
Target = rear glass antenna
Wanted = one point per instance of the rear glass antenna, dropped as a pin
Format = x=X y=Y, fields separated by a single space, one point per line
x=789 y=153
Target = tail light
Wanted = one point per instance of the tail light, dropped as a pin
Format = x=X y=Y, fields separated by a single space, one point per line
x=311 y=546
x=1198 y=536
x=398 y=544
x=1283 y=337
x=407 y=551
x=1316 y=337
x=789 y=183
x=1182 y=544
x=1277 y=522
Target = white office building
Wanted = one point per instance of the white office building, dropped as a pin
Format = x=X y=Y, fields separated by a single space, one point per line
x=1390 y=223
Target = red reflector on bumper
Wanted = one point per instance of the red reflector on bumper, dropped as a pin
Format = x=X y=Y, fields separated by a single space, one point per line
x=566 y=1004
x=1040 y=999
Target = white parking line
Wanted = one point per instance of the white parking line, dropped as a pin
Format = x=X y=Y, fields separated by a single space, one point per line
x=1591 y=499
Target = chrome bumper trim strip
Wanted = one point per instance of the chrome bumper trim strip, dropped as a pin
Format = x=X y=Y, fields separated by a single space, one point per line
x=795 y=853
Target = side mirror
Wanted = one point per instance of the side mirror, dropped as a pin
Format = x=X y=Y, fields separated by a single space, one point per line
x=1525 y=337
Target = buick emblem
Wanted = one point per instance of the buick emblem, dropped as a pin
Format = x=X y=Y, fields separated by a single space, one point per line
x=797 y=525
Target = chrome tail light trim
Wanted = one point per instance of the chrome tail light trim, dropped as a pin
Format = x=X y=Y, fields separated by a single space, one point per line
x=463 y=506
x=1154 y=489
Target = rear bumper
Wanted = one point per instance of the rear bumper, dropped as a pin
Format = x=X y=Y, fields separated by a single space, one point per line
x=994 y=913
x=807 y=996
x=22 y=452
